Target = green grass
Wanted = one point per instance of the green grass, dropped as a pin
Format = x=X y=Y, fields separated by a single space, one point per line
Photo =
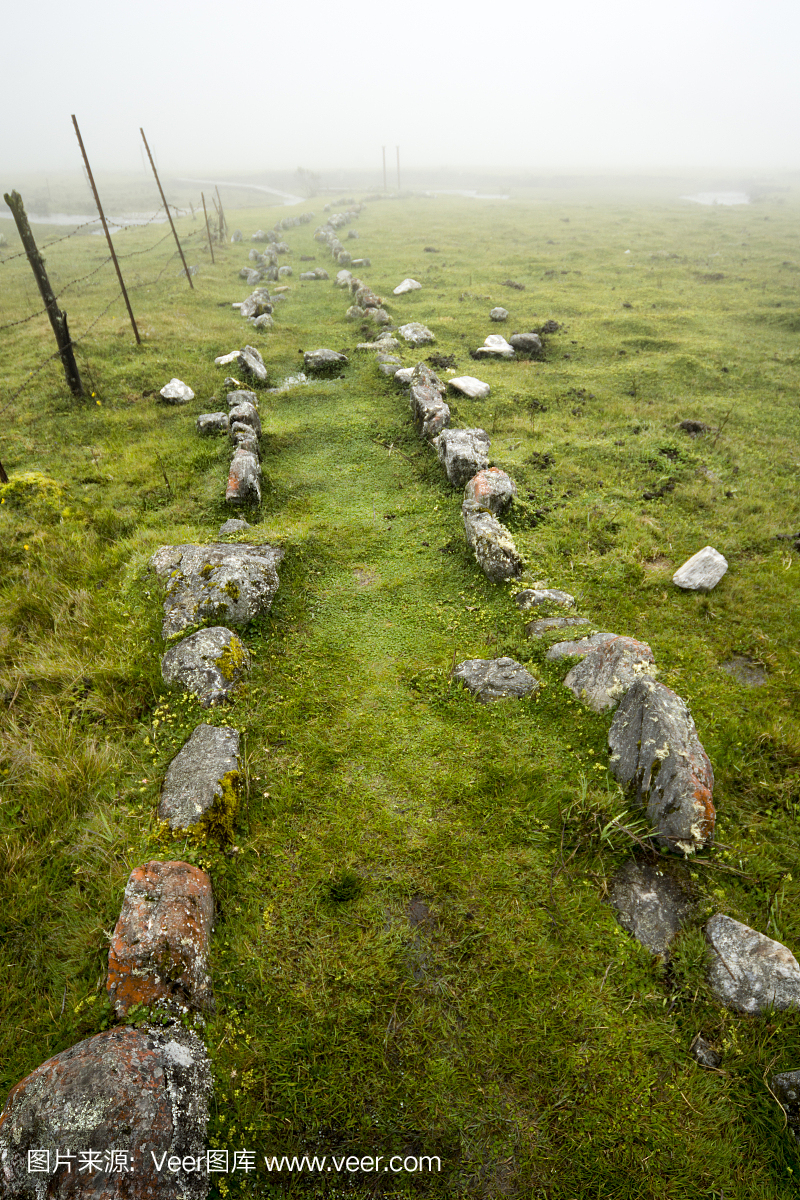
x=412 y=952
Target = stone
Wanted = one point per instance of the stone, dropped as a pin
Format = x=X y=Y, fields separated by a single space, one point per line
x=140 y=1091
x=786 y=1088
x=429 y=412
x=259 y=236
x=263 y=322
x=210 y=423
x=324 y=362
x=526 y=343
x=236 y=236
x=475 y=389
x=284 y=272
x=355 y=312
x=203 y=779
x=352 y=233
x=245 y=414
x=234 y=525
x=408 y=285
x=656 y=755
x=256 y=305
x=577 y=649
x=603 y=676
x=533 y=597
x=208 y=664
x=491 y=543
x=495 y=346
x=343 y=278
x=344 y=257
x=416 y=334
x=462 y=453
x=405 y=375
x=702 y=571
x=361 y=262
x=366 y=298
x=248 y=360
x=377 y=316
x=240 y=396
x=244 y=438
x=221 y=582
x=176 y=392
x=745 y=671
x=492 y=489
x=748 y=971
x=244 y=478
x=704 y=1053
x=159 y=947
x=543 y=625
x=498 y=314
x=388 y=364
x=495 y=679
x=650 y=903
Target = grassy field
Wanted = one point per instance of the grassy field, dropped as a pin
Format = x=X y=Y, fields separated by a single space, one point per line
x=413 y=953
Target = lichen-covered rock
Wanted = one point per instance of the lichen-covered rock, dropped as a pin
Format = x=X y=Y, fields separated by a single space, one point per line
x=159 y=948
x=498 y=314
x=496 y=679
x=491 y=543
x=244 y=438
x=324 y=361
x=263 y=322
x=578 y=648
x=135 y=1097
x=786 y=1087
x=223 y=581
x=603 y=676
x=543 y=625
x=176 y=392
x=429 y=411
x=656 y=754
x=234 y=525
x=526 y=343
x=248 y=361
x=492 y=489
x=240 y=396
x=210 y=423
x=536 y=597
x=377 y=316
x=343 y=279
x=462 y=453
x=245 y=414
x=366 y=298
x=208 y=664
x=748 y=971
x=416 y=333
x=257 y=304
x=244 y=478
x=202 y=781
x=650 y=903
x=702 y=571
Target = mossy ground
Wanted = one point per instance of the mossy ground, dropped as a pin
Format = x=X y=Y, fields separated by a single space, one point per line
x=413 y=954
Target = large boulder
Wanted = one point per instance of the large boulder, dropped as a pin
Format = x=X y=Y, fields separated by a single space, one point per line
x=748 y=971
x=122 y=1103
x=223 y=581
x=257 y=304
x=491 y=543
x=496 y=679
x=603 y=676
x=244 y=478
x=159 y=947
x=702 y=571
x=208 y=664
x=656 y=754
x=492 y=489
x=650 y=903
x=462 y=453
x=203 y=780
x=416 y=333
x=324 y=361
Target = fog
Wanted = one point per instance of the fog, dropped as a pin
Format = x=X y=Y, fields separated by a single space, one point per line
x=627 y=85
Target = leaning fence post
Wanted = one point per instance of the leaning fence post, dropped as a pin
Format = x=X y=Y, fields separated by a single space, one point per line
x=58 y=318
x=208 y=231
x=166 y=206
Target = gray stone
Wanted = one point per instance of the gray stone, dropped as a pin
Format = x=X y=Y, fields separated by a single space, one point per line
x=534 y=597
x=603 y=676
x=361 y=262
x=462 y=453
x=140 y=1091
x=256 y=305
x=748 y=971
x=200 y=775
x=244 y=438
x=344 y=257
x=248 y=360
x=244 y=479
x=786 y=1087
x=208 y=664
x=704 y=1053
x=352 y=233
x=650 y=903
x=526 y=343
x=264 y=322
x=284 y=272
x=259 y=236
x=491 y=543
x=416 y=334
x=498 y=314
x=408 y=285
x=355 y=312
x=495 y=678
x=543 y=625
x=702 y=571
x=476 y=389
x=209 y=423
x=176 y=392
x=236 y=236
x=343 y=279
x=245 y=414
x=241 y=397
x=656 y=754
x=495 y=346
x=745 y=671
x=428 y=409
x=404 y=376
x=377 y=316
x=324 y=362
x=577 y=649
x=234 y=525
x=492 y=489
x=219 y=582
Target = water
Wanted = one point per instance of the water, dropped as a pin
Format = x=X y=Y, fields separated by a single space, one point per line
x=726 y=198
x=84 y=219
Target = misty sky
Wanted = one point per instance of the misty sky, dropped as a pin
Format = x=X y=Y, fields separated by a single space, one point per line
x=559 y=84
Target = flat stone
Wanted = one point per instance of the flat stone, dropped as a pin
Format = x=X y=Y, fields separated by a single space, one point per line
x=748 y=971
x=491 y=543
x=650 y=903
x=159 y=947
x=745 y=671
x=223 y=581
x=211 y=423
x=578 y=648
x=495 y=346
x=176 y=392
x=416 y=334
x=142 y=1092
x=324 y=361
x=496 y=679
x=208 y=664
x=543 y=625
x=408 y=285
x=526 y=343
x=603 y=676
x=476 y=389
x=234 y=525
x=534 y=597
x=492 y=489
x=203 y=778
x=244 y=478
x=498 y=314
x=462 y=453
x=656 y=755
x=702 y=571
x=786 y=1087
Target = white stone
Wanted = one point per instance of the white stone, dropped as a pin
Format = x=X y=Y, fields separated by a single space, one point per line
x=224 y=359
x=495 y=346
x=403 y=376
x=748 y=971
x=702 y=571
x=498 y=314
x=417 y=334
x=408 y=285
x=176 y=392
x=476 y=389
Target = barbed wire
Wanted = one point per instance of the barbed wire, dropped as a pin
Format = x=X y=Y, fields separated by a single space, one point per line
x=117 y=229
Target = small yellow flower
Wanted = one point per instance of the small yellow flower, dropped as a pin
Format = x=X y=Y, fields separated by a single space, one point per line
x=25 y=547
